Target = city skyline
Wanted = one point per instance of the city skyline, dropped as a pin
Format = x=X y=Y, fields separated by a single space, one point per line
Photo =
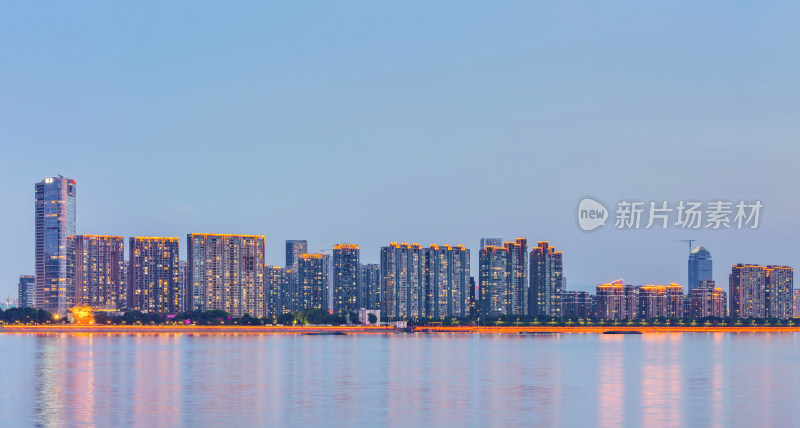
x=570 y=98
x=96 y=266
x=179 y=249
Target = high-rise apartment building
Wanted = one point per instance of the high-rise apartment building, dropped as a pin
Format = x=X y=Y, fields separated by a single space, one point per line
x=748 y=291
x=154 y=275
x=610 y=301
x=280 y=299
x=652 y=301
x=55 y=221
x=699 y=267
x=780 y=285
x=312 y=282
x=494 y=281
x=473 y=297
x=707 y=300
x=122 y=298
x=797 y=302
x=517 y=268
x=546 y=278
x=97 y=263
x=659 y=301
x=370 y=286
x=402 y=276
x=346 y=266
x=761 y=292
x=446 y=281
x=26 y=291
x=182 y=304
x=225 y=272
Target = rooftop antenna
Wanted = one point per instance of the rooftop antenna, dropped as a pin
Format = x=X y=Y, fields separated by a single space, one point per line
x=687 y=240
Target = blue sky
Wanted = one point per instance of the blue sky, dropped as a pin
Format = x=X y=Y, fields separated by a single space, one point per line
x=430 y=122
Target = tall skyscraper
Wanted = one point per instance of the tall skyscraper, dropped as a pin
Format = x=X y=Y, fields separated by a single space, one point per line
x=699 y=267
x=312 y=282
x=494 y=281
x=780 y=285
x=518 y=271
x=346 y=268
x=402 y=291
x=546 y=281
x=26 y=291
x=370 y=286
x=97 y=262
x=226 y=272
x=748 y=291
x=446 y=281
x=154 y=275
x=295 y=247
x=55 y=221
x=491 y=242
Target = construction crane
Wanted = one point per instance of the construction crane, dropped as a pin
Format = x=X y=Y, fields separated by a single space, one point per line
x=687 y=240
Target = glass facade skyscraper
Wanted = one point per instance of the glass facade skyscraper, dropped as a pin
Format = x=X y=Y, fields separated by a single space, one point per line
x=55 y=221
x=699 y=267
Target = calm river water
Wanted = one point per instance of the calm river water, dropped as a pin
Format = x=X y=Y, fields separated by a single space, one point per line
x=670 y=379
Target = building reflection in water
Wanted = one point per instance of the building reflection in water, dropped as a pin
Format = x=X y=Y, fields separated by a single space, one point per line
x=611 y=381
x=407 y=379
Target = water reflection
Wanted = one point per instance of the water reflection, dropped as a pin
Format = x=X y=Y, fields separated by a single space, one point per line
x=402 y=380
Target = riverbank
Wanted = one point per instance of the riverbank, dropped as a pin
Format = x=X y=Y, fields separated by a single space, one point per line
x=331 y=330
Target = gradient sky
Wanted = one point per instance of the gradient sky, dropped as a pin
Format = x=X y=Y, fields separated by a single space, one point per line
x=430 y=122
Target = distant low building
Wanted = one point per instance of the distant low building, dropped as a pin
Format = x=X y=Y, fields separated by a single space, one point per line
x=363 y=316
x=26 y=291
x=577 y=304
